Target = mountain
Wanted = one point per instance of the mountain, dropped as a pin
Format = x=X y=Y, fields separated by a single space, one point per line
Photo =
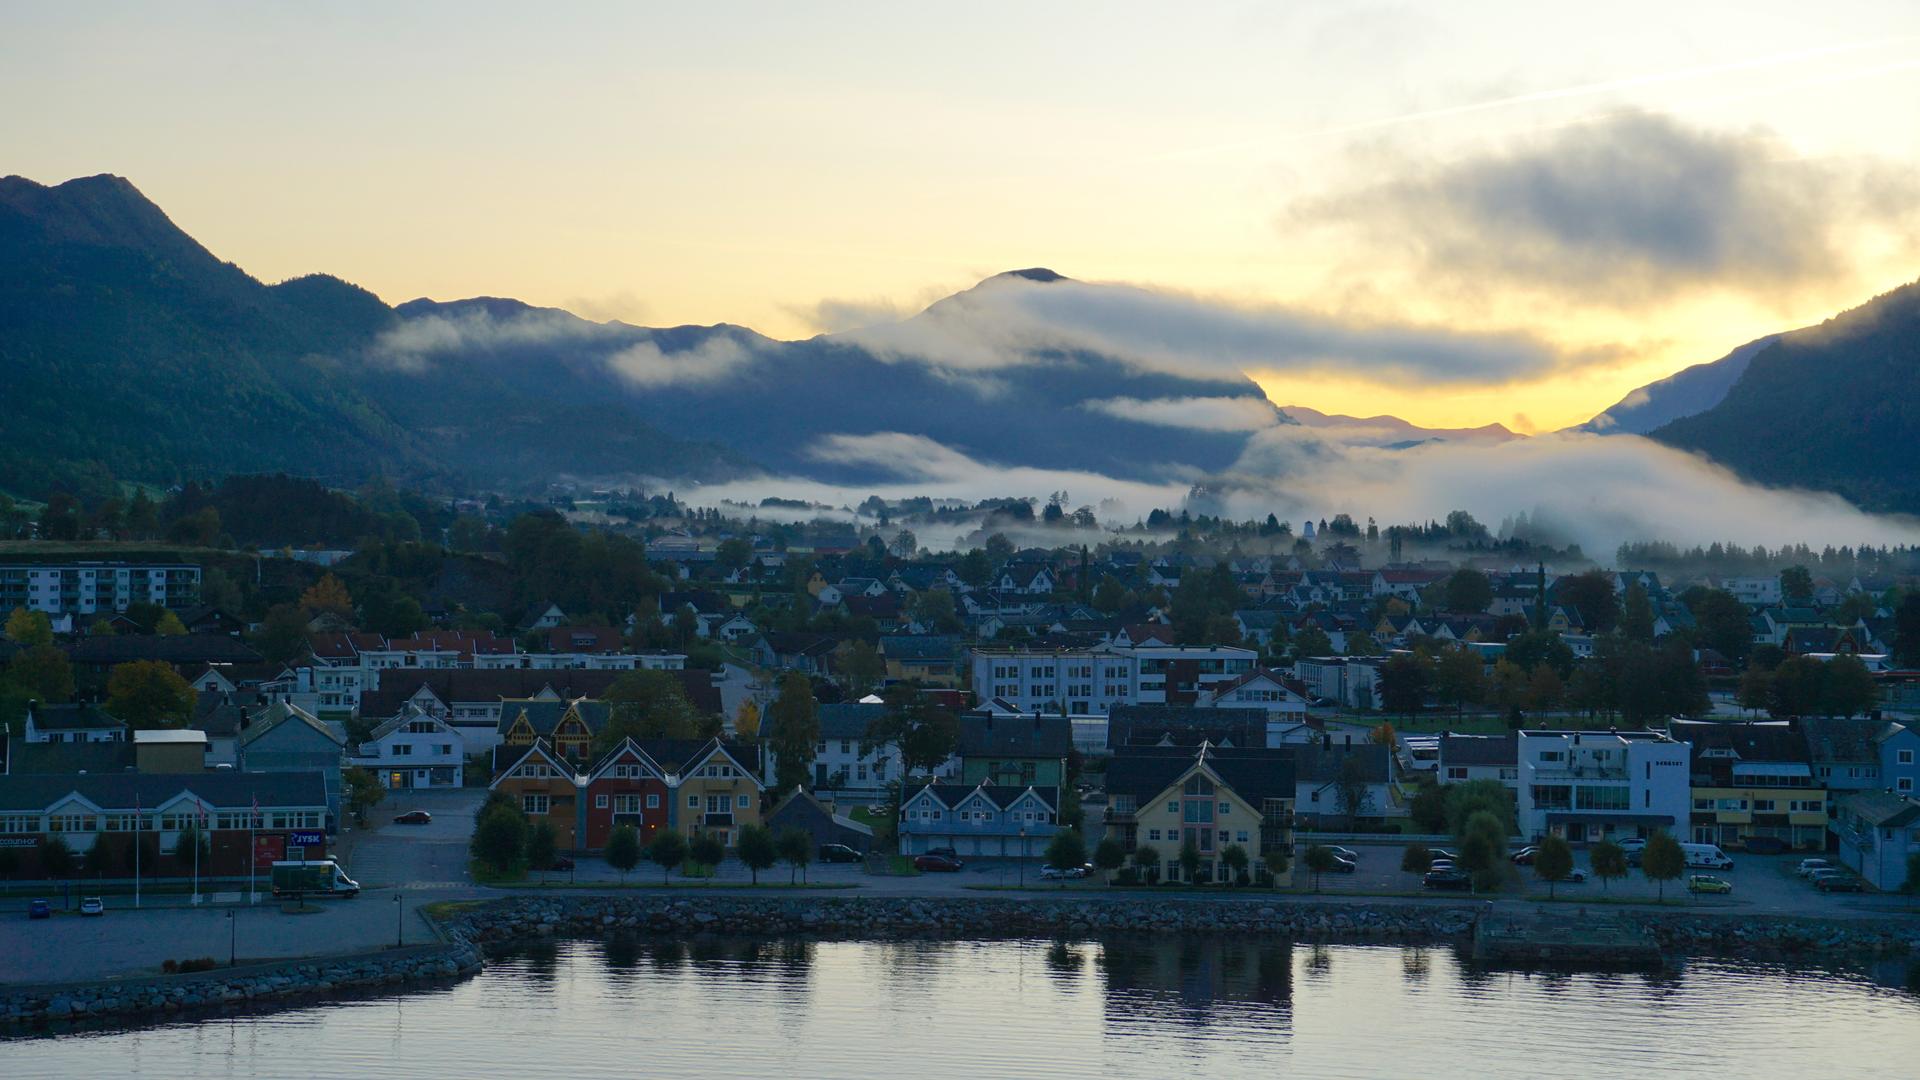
x=1393 y=432
x=1684 y=393
x=1832 y=407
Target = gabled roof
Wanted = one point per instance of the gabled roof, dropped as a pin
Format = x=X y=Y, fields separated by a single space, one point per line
x=1883 y=809
x=1835 y=740
x=628 y=750
x=1325 y=764
x=847 y=720
x=537 y=750
x=79 y=716
x=1255 y=774
x=802 y=795
x=987 y=735
x=1001 y=796
x=179 y=649
x=545 y=714
x=280 y=713
x=222 y=789
x=680 y=757
x=24 y=758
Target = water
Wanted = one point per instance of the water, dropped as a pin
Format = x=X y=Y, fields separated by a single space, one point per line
x=1124 y=1007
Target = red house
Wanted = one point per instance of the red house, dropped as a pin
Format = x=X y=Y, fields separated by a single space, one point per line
x=626 y=787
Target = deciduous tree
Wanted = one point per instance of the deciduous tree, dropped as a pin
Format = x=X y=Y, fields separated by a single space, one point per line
x=623 y=850
x=1662 y=861
x=149 y=694
x=1609 y=861
x=668 y=850
x=796 y=850
x=757 y=849
x=1553 y=862
x=794 y=732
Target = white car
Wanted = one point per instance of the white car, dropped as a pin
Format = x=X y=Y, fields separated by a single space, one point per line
x=92 y=905
x=1346 y=853
x=1054 y=873
x=1808 y=867
x=1632 y=844
x=1575 y=876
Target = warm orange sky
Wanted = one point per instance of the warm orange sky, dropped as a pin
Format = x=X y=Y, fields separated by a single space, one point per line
x=1379 y=163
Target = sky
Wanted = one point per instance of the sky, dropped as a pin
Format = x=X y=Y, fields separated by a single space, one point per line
x=1561 y=202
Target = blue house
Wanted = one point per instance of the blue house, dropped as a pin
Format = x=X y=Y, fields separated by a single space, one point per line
x=1879 y=831
x=1899 y=758
x=981 y=819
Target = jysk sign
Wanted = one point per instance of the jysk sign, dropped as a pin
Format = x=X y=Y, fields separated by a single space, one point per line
x=306 y=839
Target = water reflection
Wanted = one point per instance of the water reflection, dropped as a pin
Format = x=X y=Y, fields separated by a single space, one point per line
x=1196 y=980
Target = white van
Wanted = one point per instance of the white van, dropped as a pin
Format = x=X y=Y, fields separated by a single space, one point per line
x=1706 y=855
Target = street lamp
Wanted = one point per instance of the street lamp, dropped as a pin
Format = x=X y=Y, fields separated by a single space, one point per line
x=1023 y=856
x=399 y=923
x=233 y=940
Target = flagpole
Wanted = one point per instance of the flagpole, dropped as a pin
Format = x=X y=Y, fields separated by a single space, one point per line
x=139 y=815
x=253 y=854
x=199 y=824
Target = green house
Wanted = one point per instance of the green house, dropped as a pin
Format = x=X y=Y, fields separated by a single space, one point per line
x=1014 y=750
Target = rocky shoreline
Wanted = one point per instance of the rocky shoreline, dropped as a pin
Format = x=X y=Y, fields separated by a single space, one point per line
x=469 y=931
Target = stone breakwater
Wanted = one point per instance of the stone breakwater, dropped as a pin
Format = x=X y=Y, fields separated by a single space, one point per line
x=168 y=996
x=510 y=921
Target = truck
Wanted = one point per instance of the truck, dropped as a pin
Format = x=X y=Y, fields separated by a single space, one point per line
x=1706 y=855
x=312 y=877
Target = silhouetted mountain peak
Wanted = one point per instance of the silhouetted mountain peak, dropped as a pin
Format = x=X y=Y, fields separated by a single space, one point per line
x=1032 y=273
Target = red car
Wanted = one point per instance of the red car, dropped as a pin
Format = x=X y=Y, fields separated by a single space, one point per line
x=937 y=863
x=413 y=817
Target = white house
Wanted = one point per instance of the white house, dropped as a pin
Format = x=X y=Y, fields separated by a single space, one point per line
x=72 y=724
x=414 y=750
x=1594 y=785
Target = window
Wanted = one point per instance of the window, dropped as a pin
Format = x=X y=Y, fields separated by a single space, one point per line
x=402 y=749
x=1703 y=804
x=1904 y=757
x=599 y=802
x=1552 y=755
x=693 y=802
x=1456 y=772
x=740 y=802
x=1226 y=837
x=1765 y=806
x=653 y=802
x=627 y=804
x=534 y=804
x=1803 y=806
x=1225 y=809
x=1153 y=834
x=1242 y=837
x=1905 y=783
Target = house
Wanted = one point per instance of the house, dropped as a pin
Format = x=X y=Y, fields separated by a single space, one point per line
x=716 y=788
x=1184 y=725
x=547 y=788
x=1878 y=831
x=187 y=653
x=1215 y=796
x=1326 y=774
x=625 y=787
x=1258 y=689
x=1844 y=752
x=567 y=728
x=979 y=819
x=240 y=814
x=842 y=763
x=1465 y=758
x=414 y=750
x=77 y=723
x=808 y=654
x=286 y=738
x=1021 y=750
x=543 y=616
x=819 y=819
x=932 y=659
x=1588 y=786
x=221 y=719
x=1899 y=746
x=202 y=619
x=1752 y=780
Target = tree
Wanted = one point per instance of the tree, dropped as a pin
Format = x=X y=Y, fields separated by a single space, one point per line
x=1311 y=641
x=1417 y=859
x=1796 y=584
x=757 y=849
x=1553 y=862
x=192 y=837
x=29 y=628
x=1662 y=861
x=1459 y=677
x=1384 y=735
x=1429 y=807
x=1535 y=648
x=974 y=568
x=746 y=722
x=1468 y=591
x=1351 y=791
x=149 y=694
x=363 y=792
x=543 y=843
x=1403 y=683
x=1483 y=849
x=623 y=850
x=925 y=732
x=1609 y=861
x=499 y=836
x=103 y=857
x=1234 y=858
x=1545 y=691
x=1906 y=631
x=733 y=554
x=668 y=850
x=1189 y=859
x=43 y=672
x=1721 y=622
x=1756 y=688
x=1591 y=594
x=1849 y=687
x=796 y=850
x=1110 y=596
x=1464 y=800
x=327 y=596
x=1146 y=860
x=1109 y=855
x=650 y=705
x=282 y=634
x=170 y=626
x=1320 y=860
x=56 y=857
x=707 y=850
x=1636 y=618
x=1066 y=850
x=794 y=737
x=861 y=666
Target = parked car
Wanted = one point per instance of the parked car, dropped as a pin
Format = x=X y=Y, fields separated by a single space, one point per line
x=1766 y=845
x=1808 y=866
x=1524 y=857
x=1343 y=866
x=1344 y=852
x=39 y=909
x=840 y=853
x=1447 y=879
x=1632 y=844
x=1055 y=873
x=1443 y=864
x=1707 y=883
x=413 y=817
x=1820 y=874
x=1575 y=876
x=92 y=905
x=945 y=851
x=561 y=862
x=1840 y=883
x=1441 y=854
x=937 y=863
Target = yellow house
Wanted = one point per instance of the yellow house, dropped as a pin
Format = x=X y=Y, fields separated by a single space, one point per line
x=567 y=726
x=716 y=786
x=1218 y=797
x=1752 y=780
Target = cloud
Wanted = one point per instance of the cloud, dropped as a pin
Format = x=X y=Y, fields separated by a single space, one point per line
x=644 y=364
x=1009 y=320
x=1197 y=413
x=1625 y=209
x=417 y=341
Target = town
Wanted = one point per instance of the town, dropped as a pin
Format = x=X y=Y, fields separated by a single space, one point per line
x=551 y=692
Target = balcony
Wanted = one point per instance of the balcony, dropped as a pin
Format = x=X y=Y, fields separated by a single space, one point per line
x=1583 y=772
x=717 y=821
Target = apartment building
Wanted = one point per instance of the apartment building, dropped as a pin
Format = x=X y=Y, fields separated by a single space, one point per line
x=1602 y=785
x=1090 y=681
x=97 y=588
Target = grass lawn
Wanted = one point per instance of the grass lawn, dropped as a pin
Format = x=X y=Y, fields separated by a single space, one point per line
x=484 y=874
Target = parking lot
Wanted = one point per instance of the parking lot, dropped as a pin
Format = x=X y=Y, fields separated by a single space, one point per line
x=432 y=856
x=1761 y=883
